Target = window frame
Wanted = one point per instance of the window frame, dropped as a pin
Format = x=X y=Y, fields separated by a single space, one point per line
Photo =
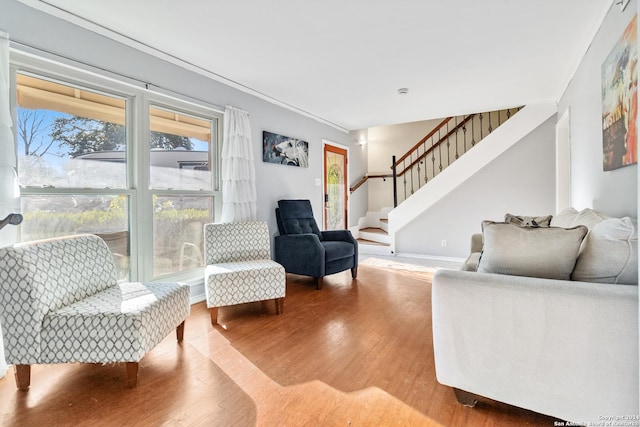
x=138 y=99
x=145 y=218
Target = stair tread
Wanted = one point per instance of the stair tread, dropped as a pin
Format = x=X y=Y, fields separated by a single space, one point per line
x=373 y=230
x=371 y=242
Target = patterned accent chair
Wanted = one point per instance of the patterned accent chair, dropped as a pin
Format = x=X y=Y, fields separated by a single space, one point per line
x=303 y=249
x=61 y=302
x=239 y=268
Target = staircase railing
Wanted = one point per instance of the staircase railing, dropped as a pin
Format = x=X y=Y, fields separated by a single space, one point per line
x=366 y=178
x=450 y=139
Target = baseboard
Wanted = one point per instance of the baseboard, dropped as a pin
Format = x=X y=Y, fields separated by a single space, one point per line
x=433 y=257
x=364 y=248
x=196 y=293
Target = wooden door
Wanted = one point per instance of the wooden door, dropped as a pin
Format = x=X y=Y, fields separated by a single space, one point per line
x=335 y=188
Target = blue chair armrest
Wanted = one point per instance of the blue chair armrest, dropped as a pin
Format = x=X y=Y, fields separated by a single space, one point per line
x=342 y=236
x=338 y=235
x=301 y=254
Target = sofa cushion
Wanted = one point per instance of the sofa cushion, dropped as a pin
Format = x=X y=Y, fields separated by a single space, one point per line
x=528 y=221
x=337 y=250
x=244 y=281
x=241 y=241
x=296 y=217
x=570 y=217
x=118 y=324
x=59 y=271
x=564 y=218
x=524 y=251
x=609 y=253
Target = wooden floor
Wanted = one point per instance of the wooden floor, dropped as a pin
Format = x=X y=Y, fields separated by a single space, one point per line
x=357 y=353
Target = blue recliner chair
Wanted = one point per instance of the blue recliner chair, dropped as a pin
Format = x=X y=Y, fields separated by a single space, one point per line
x=303 y=249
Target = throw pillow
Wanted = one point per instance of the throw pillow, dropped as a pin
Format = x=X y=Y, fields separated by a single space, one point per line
x=589 y=217
x=549 y=253
x=528 y=221
x=565 y=218
x=571 y=218
x=609 y=253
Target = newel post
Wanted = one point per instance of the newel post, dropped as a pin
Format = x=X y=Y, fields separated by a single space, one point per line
x=395 y=187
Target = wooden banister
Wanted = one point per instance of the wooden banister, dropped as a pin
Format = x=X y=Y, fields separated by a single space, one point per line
x=472 y=128
x=419 y=143
x=434 y=146
x=366 y=178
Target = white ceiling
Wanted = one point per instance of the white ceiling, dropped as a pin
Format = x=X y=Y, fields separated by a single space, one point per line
x=342 y=61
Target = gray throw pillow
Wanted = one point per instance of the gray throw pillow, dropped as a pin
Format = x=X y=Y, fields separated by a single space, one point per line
x=545 y=252
x=565 y=218
x=609 y=253
x=528 y=221
x=571 y=218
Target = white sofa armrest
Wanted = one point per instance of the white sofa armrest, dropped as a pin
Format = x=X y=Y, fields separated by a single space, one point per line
x=476 y=243
x=472 y=261
x=561 y=348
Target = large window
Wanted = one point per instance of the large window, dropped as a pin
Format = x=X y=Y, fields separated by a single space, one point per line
x=64 y=135
x=180 y=170
x=136 y=168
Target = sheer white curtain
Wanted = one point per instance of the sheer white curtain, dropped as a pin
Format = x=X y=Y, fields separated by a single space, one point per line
x=9 y=190
x=238 y=171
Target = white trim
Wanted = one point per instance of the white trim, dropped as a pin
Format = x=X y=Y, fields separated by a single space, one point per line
x=87 y=74
x=196 y=298
x=127 y=41
x=433 y=257
x=196 y=291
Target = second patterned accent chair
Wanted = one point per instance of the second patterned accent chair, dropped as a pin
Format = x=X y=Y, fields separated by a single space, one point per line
x=239 y=268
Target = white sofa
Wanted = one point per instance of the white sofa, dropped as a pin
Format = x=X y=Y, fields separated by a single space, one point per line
x=564 y=348
x=61 y=302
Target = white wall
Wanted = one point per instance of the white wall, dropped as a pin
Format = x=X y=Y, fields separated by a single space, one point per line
x=614 y=192
x=385 y=142
x=358 y=167
x=394 y=140
x=521 y=181
x=80 y=46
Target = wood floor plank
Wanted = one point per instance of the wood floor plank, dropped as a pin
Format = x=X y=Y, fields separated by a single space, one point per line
x=358 y=352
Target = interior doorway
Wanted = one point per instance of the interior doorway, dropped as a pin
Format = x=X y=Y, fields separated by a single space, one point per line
x=335 y=187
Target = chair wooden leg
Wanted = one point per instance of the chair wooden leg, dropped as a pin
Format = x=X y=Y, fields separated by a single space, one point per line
x=319 y=283
x=279 y=305
x=466 y=398
x=132 y=374
x=354 y=272
x=22 y=374
x=180 y=332
x=214 y=315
